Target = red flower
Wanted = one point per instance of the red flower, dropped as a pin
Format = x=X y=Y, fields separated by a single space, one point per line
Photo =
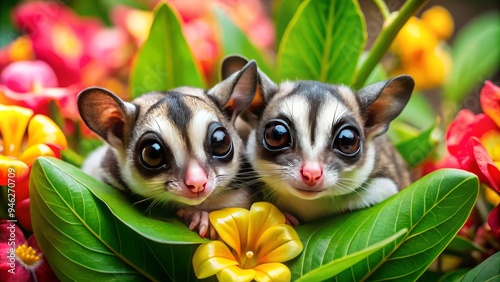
x=474 y=140
x=59 y=37
x=464 y=139
x=21 y=259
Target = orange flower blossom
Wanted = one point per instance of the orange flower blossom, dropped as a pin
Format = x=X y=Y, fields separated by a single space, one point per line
x=419 y=50
x=253 y=245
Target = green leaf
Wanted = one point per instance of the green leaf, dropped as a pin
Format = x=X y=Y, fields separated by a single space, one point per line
x=338 y=265
x=165 y=60
x=323 y=41
x=285 y=9
x=461 y=244
x=86 y=228
x=488 y=270
x=418 y=106
x=433 y=209
x=400 y=131
x=416 y=150
x=449 y=276
x=475 y=56
x=87 y=146
x=71 y=157
x=235 y=41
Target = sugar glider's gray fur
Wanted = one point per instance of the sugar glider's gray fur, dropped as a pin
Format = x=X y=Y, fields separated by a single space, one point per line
x=179 y=147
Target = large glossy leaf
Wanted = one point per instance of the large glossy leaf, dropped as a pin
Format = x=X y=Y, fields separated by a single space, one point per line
x=323 y=41
x=234 y=41
x=433 y=209
x=88 y=229
x=338 y=265
x=165 y=60
x=475 y=56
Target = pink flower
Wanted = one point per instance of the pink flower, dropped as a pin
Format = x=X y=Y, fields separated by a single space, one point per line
x=59 y=36
x=33 y=84
x=20 y=49
x=21 y=259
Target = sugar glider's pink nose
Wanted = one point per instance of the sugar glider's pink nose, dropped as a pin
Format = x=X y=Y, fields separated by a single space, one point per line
x=311 y=173
x=195 y=177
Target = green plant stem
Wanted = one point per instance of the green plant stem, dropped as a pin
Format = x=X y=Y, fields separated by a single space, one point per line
x=384 y=10
x=384 y=40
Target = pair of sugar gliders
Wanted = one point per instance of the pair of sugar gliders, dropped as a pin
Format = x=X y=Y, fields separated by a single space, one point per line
x=317 y=149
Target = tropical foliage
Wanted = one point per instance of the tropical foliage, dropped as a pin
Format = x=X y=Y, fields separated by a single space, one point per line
x=445 y=225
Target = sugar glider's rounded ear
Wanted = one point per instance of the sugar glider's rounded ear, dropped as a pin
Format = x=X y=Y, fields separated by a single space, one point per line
x=107 y=115
x=232 y=64
x=383 y=101
x=266 y=88
x=235 y=93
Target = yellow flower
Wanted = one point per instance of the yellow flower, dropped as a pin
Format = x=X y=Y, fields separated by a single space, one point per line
x=253 y=245
x=419 y=49
x=24 y=137
x=439 y=21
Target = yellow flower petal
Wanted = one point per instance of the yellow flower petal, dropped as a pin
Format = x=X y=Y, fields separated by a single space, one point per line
x=232 y=226
x=491 y=142
x=272 y=272
x=439 y=21
x=278 y=243
x=21 y=49
x=12 y=169
x=430 y=70
x=30 y=154
x=413 y=40
x=42 y=130
x=13 y=123
x=234 y=273
x=211 y=258
x=491 y=196
x=66 y=42
x=262 y=216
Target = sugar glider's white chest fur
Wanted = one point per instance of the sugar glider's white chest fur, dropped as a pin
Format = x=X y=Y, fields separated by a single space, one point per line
x=320 y=149
x=179 y=147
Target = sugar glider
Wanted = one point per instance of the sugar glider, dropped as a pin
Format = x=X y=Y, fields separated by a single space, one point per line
x=177 y=147
x=320 y=149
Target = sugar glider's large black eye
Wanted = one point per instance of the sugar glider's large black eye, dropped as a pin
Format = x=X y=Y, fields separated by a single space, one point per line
x=347 y=141
x=151 y=152
x=277 y=136
x=221 y=145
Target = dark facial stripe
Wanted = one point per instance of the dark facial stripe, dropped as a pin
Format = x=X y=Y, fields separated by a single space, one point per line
x=314 y=109
x=110 y=165
x=177 y=111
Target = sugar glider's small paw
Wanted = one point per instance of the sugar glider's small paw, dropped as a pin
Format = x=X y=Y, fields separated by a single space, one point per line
x=197 y=221
x=291 y=220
